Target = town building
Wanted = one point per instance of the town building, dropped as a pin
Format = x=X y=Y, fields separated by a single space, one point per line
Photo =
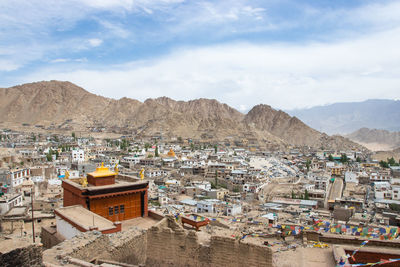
x=103 y=194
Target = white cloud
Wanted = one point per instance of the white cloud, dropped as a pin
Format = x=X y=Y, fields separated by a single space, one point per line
x=242 y=74
x=7 y=65
x=95 y=42
x=60 y=60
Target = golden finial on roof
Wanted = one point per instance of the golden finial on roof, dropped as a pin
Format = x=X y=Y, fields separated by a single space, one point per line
x=102 y=172
x=141 y=174
x=66 y=174
x=171 y=153
x=83 y=182
x=116 y=168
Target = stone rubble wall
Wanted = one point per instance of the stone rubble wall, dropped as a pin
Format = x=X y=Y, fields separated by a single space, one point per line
x=165 y=244
x=30 y=256
x=174 y=246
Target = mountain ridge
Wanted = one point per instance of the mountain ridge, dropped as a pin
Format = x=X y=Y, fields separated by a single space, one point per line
x=347 y=117
x=66 y=106
x=376 y=137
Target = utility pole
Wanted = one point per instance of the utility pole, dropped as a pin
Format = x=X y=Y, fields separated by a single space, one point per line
x=33 y=219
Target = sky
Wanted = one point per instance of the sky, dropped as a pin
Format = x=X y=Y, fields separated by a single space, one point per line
x=285 y=53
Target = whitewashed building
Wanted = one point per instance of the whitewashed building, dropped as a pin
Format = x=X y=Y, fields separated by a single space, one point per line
x=8 y=201
x=78 y=155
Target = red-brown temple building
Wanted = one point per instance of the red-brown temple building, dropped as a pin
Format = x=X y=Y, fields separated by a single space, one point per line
x=103 y=195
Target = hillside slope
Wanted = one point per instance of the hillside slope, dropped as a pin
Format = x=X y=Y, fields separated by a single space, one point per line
x=345 y=118
x=65 y=106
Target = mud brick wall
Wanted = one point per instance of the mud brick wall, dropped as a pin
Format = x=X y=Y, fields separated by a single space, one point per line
x=168 y=244
x=30 y=256
x=49 y=237
x=128 y=247
x=225 y=251
x=168 y=247
x=351 y=240
x=165 y=244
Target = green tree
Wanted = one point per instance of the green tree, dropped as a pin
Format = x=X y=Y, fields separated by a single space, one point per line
x=124 y=144
x=344 y=158
x=146 y=146
x=293 y=195
x=73 y=135
x=358 y=159
x=391 y=161
x=394 y=206
x=330 y=157
x=308 y=164
x=156 y=152
x=215 y=148
x=49 y=155
x=383 y=164
x=306 y=196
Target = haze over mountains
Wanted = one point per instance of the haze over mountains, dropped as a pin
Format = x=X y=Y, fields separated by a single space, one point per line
x=376 y=139
x=63 y=105
x=345 y=118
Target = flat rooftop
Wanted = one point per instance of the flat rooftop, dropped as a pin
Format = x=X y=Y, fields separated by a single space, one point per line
x=17 y=211
x=84 y=218
x=8 y=197
x=140 y=222
x=118 y=183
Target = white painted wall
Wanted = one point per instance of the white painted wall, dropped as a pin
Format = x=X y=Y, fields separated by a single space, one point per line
x=65 y=228
x=8 y=204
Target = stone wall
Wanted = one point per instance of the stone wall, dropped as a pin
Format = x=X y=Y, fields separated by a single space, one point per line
x=165 y=244
x=226 y=251
x=50 y=237
x=128 y=247
x=30 y=256
x=10 y=226
x=349 y=240
x=168 y=244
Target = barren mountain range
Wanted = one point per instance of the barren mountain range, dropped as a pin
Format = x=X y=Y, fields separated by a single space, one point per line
x=376 y=139
x=63 y=105
x=345 y=118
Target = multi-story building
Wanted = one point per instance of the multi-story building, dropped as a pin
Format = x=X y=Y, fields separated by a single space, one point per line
x=383 y=190
x=8 y=201
x=102 y=194
x=380 y=176
x=14 y=178
x=78 y=155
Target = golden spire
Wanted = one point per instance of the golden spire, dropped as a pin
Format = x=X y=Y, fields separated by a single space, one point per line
x=171 y=153
x=83 y=182
x=102 y=172
x=116 y=168
x=141 y=174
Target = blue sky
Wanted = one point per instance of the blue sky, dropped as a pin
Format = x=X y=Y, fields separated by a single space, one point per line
x=285 y=53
